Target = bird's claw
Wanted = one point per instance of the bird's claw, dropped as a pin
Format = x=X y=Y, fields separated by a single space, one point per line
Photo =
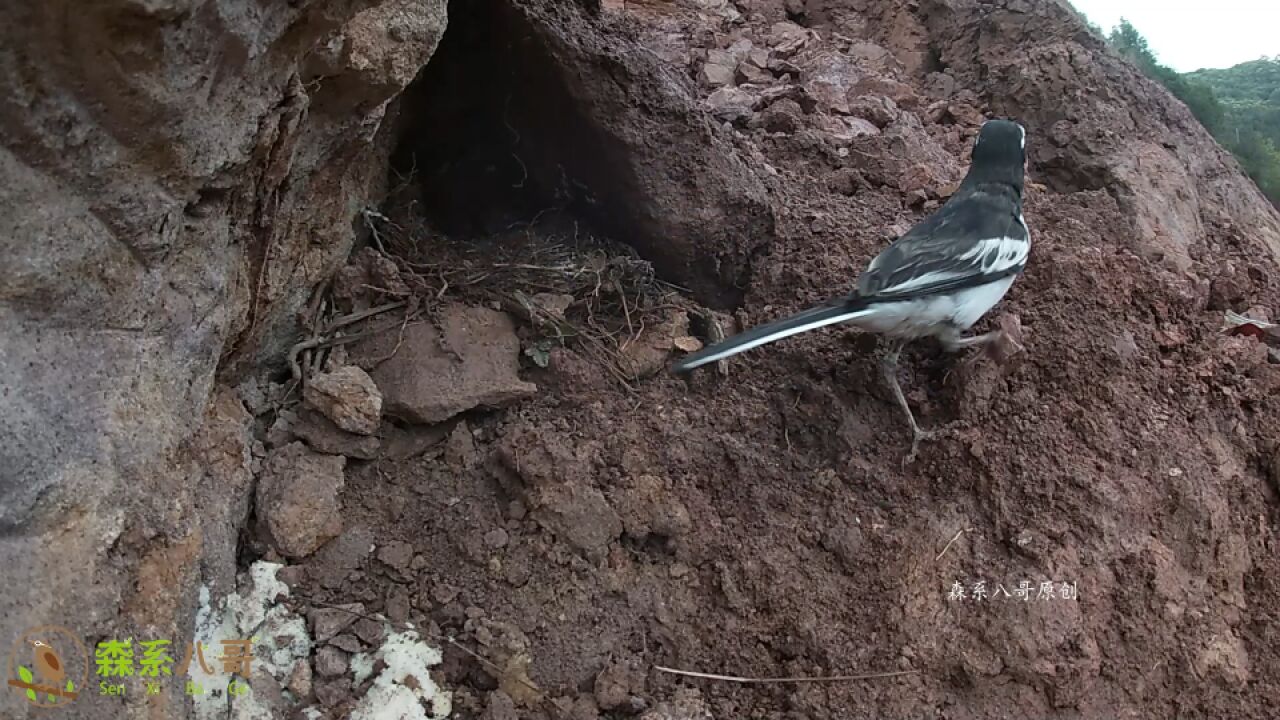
x=916 y=438
x=919 y=436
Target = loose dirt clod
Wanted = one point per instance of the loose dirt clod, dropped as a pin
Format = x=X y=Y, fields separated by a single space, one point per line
x=348 y=397
x=297 y=501
x=431 y=373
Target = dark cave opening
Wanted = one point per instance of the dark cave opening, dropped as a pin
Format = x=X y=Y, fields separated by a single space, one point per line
x=532 y=110
x=490 y=135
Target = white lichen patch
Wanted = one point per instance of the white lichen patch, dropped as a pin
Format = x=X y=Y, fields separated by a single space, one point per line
x=250 y=608
x=404 y=690
x=279 y=640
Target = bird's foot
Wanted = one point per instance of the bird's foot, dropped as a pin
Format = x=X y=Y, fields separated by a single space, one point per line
x=919 y=436
x=1007 y=341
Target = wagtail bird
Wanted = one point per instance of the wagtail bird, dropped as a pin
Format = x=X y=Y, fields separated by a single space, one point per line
x=938 y=279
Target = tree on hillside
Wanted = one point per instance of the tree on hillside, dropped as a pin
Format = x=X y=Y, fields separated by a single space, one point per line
x=1126 y=40
x=1247 y=123
x=1198 y=97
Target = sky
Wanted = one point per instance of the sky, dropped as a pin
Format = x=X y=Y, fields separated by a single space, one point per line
x=1189 y=35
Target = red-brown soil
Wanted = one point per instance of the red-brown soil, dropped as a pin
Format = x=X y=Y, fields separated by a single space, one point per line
x=762 y=523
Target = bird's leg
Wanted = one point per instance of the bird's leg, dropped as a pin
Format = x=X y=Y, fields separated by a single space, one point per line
x=889 y=365
x=997 y=344
x=953 y=342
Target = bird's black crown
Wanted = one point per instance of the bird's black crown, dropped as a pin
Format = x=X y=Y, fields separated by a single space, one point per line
x=999 y=154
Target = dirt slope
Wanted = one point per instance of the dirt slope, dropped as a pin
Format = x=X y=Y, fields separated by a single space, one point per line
x=573 y=534
x=762 y=524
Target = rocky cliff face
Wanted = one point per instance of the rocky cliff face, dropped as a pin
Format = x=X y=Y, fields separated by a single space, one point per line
x=176 y=177
x=182 y=182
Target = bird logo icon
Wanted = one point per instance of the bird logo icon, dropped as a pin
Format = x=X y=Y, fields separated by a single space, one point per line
x=48 y=666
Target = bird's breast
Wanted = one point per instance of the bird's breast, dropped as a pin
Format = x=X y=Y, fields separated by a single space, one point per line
x=931 y=315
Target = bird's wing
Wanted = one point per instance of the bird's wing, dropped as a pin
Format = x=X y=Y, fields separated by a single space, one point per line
x=978 y=239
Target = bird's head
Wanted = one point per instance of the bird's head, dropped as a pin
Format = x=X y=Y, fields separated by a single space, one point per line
x=39 y=643
x=1000 y=152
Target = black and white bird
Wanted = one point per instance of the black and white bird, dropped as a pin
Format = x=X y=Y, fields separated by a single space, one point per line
x=938 y=279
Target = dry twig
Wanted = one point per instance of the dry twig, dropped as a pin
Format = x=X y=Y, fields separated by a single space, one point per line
x=781 y=680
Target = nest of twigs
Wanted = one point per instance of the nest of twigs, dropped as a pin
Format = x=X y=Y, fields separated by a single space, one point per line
x=570 y=287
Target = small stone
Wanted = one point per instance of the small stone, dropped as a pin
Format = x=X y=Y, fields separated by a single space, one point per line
x=330 y=662
x=347 y=642
x=771 y=95
x=369 y=631
x=780 y=117
x=340 y=559
x=879 y=111
x=460 y=449
x=496 y=538
x=781 y=67
x=300 y=679
x=333 y=691
x=444 y=594
x=740 y=49
x=281 y=431
x=397 y=553
x=348 y=397
x=787 y=37
x=748 y=73
x=647 y=508
x=328 y=622
x=828 y=80
x=730 y=104
x=555 y=304
x=648 y=353
x=687 y=343
x=500 y=707
x=326 y=437
x=965 y=114
x=398 y=606
x=451 y=614
x=472 y=360
x=714 y=75
x=845 y=181
x=844 y=130
x=579 y=516
x=721 y=57
x=297 y=500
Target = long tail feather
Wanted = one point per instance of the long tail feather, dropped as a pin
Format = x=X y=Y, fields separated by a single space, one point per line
x=805 y=321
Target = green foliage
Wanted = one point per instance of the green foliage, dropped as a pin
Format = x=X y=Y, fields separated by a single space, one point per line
x=1250 y=94
x=1253 y=82
x=27 y=677
x=1239 y=106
